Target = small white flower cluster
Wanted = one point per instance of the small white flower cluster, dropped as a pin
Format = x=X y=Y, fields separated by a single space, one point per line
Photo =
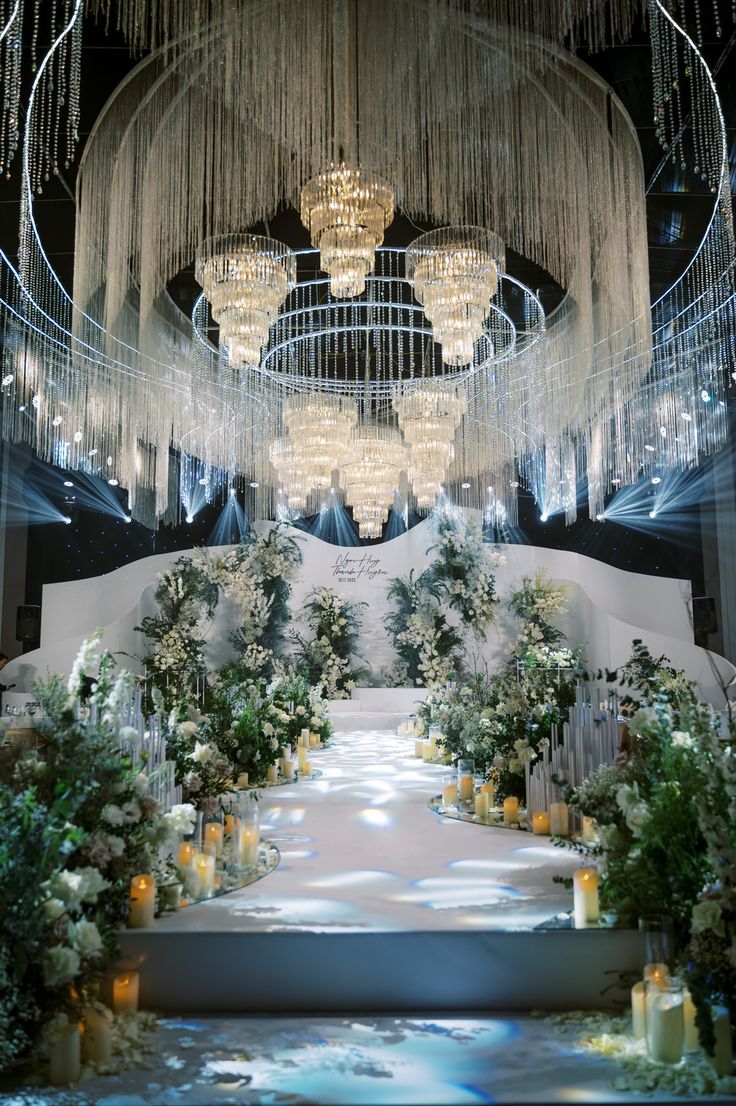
x=633 y=807
x=67 y=892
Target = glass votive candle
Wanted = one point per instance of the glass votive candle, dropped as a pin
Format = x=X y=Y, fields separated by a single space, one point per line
x=466 y=780
x=482 y=806
x=449 y=792
x=272 y=773
x=658 y=938
x=511 y=811
x=214 y=833
x=665 y=1021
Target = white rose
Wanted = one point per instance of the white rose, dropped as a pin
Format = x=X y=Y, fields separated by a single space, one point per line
x=681 y=740
x=114 y=844
x=627 y=796
x=187 y=729
x=140 y=784
x=53 y=909
x=202 y=753
x=131 y=812
x=707 y=916
x=86 y=937
x=112 y=814
x=636 y=817
x=128 y=734
x=300 y=709
x=60 y=965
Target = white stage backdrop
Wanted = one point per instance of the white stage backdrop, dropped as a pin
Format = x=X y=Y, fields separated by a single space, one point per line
x=607 y=607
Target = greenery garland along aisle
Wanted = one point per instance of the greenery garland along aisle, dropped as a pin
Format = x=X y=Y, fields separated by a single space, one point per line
x=326 y=657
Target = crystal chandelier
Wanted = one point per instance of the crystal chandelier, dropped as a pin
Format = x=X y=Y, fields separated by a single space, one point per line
x=319 y=429
x=454 y=273
x=289 y=472
x=429 y=418
x=370 y=474
x=346 y=211
x=246 y=279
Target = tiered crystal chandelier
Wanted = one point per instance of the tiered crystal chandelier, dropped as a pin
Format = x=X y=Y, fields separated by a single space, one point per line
x=289 y=472
x=246 y=279
x=319 y=430
x=454 y=273
x=346 y=211
x=370 y=474
x=429 y=417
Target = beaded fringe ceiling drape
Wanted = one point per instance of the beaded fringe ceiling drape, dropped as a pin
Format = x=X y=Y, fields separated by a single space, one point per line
x=475 y=115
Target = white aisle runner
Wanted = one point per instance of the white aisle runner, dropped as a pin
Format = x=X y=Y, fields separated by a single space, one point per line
x=361 y=851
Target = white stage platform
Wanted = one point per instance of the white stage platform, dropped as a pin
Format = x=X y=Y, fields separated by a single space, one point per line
x=375 y=708
x=380 y=904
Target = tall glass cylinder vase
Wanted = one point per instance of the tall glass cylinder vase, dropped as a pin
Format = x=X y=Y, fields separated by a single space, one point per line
x=465 y=781
x=249 y=832
x=665 y=1021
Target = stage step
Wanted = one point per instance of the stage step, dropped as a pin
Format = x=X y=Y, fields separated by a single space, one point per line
x=299 y=972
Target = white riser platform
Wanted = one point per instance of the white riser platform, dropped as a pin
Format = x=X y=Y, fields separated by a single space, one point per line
x=338 y=973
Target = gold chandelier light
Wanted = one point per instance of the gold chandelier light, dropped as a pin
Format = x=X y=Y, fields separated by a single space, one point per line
x=346 y=211
x=370 y=474
x=246 y=279
x=454 y=273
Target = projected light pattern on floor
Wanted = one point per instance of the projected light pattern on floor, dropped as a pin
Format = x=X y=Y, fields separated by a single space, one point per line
x=362 y=851
x=360 y=1059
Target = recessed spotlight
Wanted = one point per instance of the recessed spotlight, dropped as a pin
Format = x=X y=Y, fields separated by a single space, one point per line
x=232 y=491
x=543 y=517
x=113 y=482
x=190 y=518
x=127 y=518
x=68 y=484
x=652 y=514
x=67 y=520
x=600 y=518
x=656 y=479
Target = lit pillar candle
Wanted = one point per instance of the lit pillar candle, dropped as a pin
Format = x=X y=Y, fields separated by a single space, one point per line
x=307 y=770
x=419 y=748
x=288 y=769
x=510 y=810
x=142 y=902
x=665 y=1024
x=248 y=846
x=656 y=973
x=304 y=736
x=489 y=790
x=559 y=820
x=313 y=739
x=692 y=1037
x=540 y=821
x=272 y=774
x=449 y=794
x=466 y=786
x=590 y=833
x=482 y=805
x=185 y=855
x=638 y=1017
x=427 y=750
x=97 y=1035
x=64 y=1057
x=125 y=992
x=214 y=834
x=204 y=865
x=722 y=1058
x=585 y=897
x=242 y=780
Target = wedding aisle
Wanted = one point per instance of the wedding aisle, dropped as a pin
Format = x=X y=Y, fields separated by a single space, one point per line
x=360 y=850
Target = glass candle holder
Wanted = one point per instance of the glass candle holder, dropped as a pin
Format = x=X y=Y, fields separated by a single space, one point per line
x=214 y=833
x=658 y=938
x=449 y=791
x=466 y=781
x=665 y=1021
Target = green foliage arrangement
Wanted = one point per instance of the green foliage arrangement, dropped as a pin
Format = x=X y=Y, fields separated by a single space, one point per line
x=326 y=657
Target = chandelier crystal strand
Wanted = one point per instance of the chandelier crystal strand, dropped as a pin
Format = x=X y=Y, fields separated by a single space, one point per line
x=371 y=473
x=246 y=279
x=346 y=211
x=429 y=417
x=454 y=272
